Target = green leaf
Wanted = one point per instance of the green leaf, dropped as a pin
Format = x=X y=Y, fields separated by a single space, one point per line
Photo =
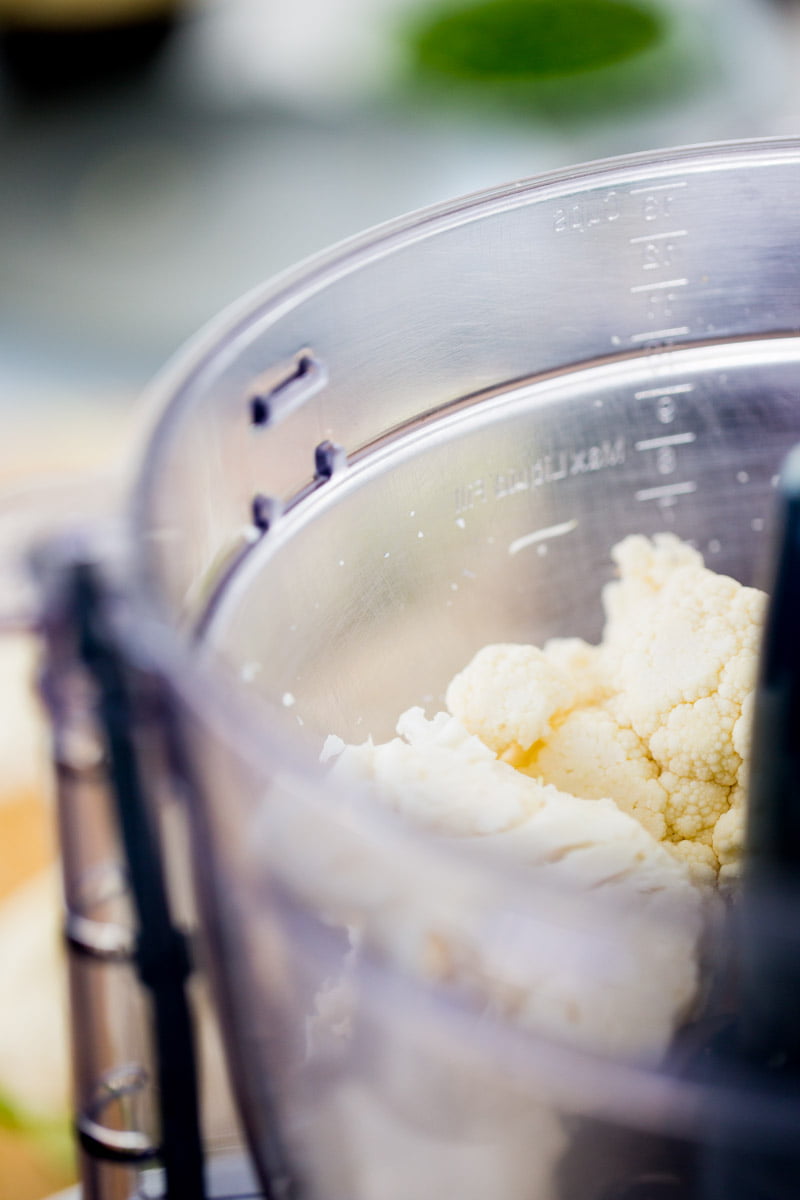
x=516 y=39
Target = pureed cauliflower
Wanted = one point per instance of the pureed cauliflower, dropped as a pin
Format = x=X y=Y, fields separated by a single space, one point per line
x=619 y=767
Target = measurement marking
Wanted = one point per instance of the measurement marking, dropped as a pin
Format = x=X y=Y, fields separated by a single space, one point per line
x=653 y=287
x=542 y=535
x=660 y=333
x=668 y=489
x=657 y=237
x=673 y=439
x=672 y=389
x=658 y=187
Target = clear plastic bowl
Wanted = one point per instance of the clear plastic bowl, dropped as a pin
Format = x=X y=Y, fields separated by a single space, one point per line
x=427 y=440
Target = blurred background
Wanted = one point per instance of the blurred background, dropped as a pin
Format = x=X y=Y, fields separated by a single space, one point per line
x=161 y=157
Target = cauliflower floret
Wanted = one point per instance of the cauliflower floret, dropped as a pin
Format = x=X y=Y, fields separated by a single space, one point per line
x=700 y=859
x=584 y=666
x=508 y=695
x=729 y=835
x=695 y=741
x=591 y=756
x=693 y=807
x=742 y=733
x=645 y=567
x=681 y=648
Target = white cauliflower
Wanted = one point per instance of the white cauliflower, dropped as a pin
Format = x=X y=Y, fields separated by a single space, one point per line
x=528 y=689
x=682 y=662
x=660 y=720
x=617 y=769
x=604 y=784
x=591 y=755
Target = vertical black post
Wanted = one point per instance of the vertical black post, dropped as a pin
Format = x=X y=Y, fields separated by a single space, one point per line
x=765 y=1047
x=769 y=1012
x=161 y=953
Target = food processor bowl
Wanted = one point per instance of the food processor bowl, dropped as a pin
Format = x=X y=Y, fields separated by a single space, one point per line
x=423 y=442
